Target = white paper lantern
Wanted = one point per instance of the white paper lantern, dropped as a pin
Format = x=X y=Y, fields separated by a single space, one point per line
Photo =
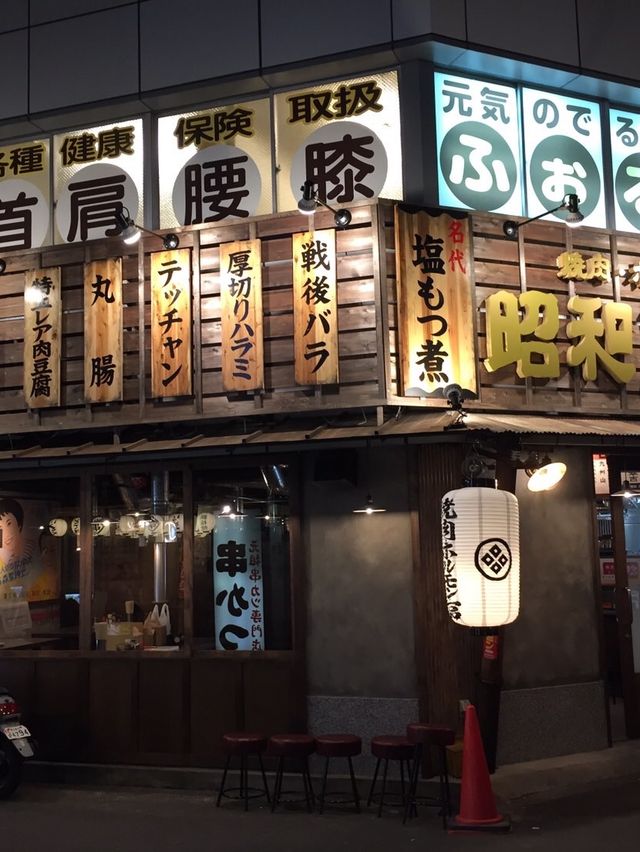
x=58 y=527
x=75 y=526
x=205 y=524
x=127 y=525
x=481 y=556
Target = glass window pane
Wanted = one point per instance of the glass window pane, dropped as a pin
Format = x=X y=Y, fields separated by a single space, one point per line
x=39 y=565
x=137 y=551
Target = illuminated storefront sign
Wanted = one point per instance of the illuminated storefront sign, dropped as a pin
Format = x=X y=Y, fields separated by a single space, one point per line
x=624 y=134
x=563 y=154
x=24 y=195
x=171 y=373
x=98 y=172
x=42 y=337
x=478 y=144
x=215 y=164
x=344 y=137
x=522 y=330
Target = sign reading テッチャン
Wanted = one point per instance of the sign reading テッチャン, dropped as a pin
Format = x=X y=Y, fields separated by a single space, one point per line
x=435 y=303
x=171 y=323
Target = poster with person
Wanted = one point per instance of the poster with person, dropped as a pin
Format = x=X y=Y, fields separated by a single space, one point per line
x=29 y=555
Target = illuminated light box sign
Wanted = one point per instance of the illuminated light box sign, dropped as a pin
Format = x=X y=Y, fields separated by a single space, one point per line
x=563 y=153
x=215 y=164
x=624 y=134
x=25 y=198
x=478 y=144
x=98 y=172
x=344 y=137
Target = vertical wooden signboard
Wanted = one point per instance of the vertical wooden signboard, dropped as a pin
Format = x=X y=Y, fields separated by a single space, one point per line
x=103 y=356
x=315 y=308
x=435 y=303
x=241 y=307
x=171 y=373
x=42 y=332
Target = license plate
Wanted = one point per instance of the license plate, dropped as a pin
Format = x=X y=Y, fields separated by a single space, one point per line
x=16 y=732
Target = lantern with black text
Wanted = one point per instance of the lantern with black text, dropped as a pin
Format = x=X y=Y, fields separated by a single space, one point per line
x=481 y=556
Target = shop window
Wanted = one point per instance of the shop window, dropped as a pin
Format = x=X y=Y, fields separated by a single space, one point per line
x=137 y=536
x=241 y=564
x=39 y=565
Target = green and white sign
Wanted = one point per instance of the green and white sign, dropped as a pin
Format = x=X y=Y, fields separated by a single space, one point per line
x=624 y=129
x=478 y=145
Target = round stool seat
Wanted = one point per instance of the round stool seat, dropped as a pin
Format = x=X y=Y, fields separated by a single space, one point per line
x=392 y=748
x=244 y=742
x=291 y=745
x=338 y=745
x=433 y=735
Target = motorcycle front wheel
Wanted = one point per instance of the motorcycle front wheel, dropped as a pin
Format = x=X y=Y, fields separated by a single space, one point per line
x=10 y=769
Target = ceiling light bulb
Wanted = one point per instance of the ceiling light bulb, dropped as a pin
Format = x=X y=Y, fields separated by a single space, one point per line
x=547 y=477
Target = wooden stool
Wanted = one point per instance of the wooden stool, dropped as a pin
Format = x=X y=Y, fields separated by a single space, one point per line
x=295 y=748
x=243 y=745
x=433 y=736
x=339 y=745
x=390 y=748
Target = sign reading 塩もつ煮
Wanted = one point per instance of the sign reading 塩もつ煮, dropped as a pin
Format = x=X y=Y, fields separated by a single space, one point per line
x=215 y=164
x=98 y=173
x=344 y=137
x=435 y=303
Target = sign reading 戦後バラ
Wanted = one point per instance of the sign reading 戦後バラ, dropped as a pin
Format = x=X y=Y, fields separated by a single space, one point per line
x=241 y=310
x=624 y=135
x=171 y=373
x=25 y=195
x=563 y=153
x=103 y=353
x=522 y=329
x=98 y=174
x=344 y=137
x=435 y=302
x=42 y=335
x=237 y=583
x=478 y=141
x=215 y=164
x=315 y=308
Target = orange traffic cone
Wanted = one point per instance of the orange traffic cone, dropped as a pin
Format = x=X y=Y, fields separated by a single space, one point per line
x=478 y=810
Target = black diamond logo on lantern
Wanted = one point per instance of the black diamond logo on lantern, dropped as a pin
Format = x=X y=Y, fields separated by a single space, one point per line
x=493 y=558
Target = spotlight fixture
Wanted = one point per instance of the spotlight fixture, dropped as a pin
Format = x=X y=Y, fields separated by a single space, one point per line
x=543 y=474
x=570 y=203
x=3 y=265
x=625 y=491
x=369 y=507
x=130 y=232
x=310 y=201
x=455 y=396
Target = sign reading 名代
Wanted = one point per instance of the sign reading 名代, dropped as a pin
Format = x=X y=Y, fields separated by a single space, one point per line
x=103 y=353
x=315 y=308
x=563 y=153
x=42 y=335
x=344 y=137
x=522 y=330
x=478 y=140
x=237 y=584
x=98 y=172
x=435 y=302
x=215 y=164
x=241 y=310
x=171 y=323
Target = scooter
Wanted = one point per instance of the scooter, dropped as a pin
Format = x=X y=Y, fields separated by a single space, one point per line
x=16 y=744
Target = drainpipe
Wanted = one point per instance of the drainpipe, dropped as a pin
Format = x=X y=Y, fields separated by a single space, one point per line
x=159 y=500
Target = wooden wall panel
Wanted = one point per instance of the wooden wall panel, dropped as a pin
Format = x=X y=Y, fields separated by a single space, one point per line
x=216 y=707
x=60 y=717
x=264 y=679
x=113 y=709
x=163 y=710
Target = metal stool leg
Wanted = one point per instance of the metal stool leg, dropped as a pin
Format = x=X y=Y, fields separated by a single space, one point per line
x=244 y=781
x=445 y=792
x=384 y=785
x=224 y=778
x=324 y=784
x=264 y=779
x=373 y=783
x=310 y=784
x=278 y=785
x=410 y=804
x=354 y=786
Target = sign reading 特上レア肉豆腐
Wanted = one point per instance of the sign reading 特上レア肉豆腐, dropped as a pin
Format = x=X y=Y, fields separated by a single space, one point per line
x=215 y=164
x=98 y=174
x=478 y=140
x=563 y=154
x=344 y=137
x=42 y=335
